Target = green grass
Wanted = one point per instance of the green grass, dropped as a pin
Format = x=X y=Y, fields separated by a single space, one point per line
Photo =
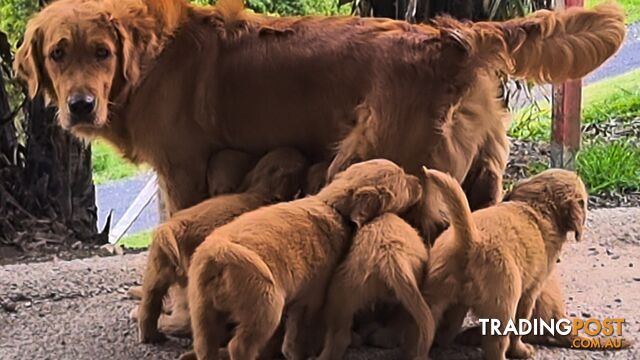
x=631 y=8
x=108 y=164
x=614 y=98
x=611 y=166
x=137 y=241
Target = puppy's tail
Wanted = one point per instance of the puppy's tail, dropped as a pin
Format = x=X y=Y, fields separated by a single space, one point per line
x=456 y=203
x=398 y=276
x=220 y=253
x=547 y=46
x=164 y=238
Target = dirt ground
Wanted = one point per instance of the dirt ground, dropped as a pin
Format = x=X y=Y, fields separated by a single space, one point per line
x=79 y=309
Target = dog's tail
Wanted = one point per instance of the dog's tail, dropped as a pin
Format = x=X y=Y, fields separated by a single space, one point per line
x=456 y=203
x=164 y=238
x=399 y=277
x=221 y=253
x=547 y=46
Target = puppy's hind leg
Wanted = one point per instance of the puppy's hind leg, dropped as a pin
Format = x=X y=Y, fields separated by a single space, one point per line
x=256 y=325
x=518 y=349
x=158 y=276
x=500 y=303
x=341 y=306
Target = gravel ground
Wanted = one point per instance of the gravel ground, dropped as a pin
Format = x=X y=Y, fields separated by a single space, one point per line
x=79 y=309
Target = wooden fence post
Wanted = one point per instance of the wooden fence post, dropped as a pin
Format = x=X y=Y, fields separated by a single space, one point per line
x=567 y=99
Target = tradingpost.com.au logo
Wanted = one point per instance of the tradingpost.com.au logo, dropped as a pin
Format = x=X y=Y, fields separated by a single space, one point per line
x=611 y=328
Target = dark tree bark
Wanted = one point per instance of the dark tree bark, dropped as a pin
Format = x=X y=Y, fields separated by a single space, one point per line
x=47 y=197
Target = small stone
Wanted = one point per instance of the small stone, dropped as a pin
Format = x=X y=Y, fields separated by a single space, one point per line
x=630 y=264
x=76 y=245
x=570 y=298
x=609 y=252
x=8 y=306
x=636 y=279
x=615 y=257
x=586 y=314
x=617 y=300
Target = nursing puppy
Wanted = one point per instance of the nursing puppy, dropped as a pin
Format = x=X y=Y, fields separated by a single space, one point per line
x=387 y=261
x=278 y=176
x=283 y=255
x=496 y=260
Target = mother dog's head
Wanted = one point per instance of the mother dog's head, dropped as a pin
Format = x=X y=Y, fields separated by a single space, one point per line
x=83 y=55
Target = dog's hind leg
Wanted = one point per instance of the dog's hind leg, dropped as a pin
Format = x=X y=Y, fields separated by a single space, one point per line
x=256 y=325
x=158 y=276
x=342 y=304
x=483 y=183
x=518 y=349
x=451 y=325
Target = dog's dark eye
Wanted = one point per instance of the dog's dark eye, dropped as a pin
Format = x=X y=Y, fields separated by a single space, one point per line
x=102 y=53
x=57 y=54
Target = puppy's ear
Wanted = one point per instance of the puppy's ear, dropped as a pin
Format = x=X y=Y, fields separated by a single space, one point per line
x=365 y=204
x=29 y=62
x=575 y=217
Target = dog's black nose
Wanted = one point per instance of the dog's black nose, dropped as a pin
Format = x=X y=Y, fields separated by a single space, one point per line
x=81 y=106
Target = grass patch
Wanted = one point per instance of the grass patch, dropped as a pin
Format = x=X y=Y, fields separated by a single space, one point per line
x=137 y=241
x=611 y=166
x=108 y=165
x=631 y=8
x=614 y=98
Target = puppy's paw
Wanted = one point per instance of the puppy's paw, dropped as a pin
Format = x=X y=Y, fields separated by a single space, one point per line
x=191 y=355
x=520 y=350
x=133 y=314
x=135 y=292
x=174 y=325
x=151 y=337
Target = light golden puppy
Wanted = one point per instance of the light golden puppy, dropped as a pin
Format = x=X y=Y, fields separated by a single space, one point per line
x=386 y=262
x=283 y=256
x=496 y=260
x=278 y=176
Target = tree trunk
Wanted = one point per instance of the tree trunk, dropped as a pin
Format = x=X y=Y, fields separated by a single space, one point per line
x=47 y=197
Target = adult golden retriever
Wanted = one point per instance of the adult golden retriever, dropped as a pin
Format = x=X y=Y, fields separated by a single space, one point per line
x=170 y=84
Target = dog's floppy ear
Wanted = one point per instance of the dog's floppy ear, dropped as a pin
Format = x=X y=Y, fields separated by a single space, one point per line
x=129 y=52
x=365 y=204
x=575 y=216
x=29 y=63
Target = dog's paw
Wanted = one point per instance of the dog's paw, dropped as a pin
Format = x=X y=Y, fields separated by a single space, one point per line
x=133 y=314
x=191 y=355
x=135 y=292
x=151 y=337
x=173 y=325
x=521 y=350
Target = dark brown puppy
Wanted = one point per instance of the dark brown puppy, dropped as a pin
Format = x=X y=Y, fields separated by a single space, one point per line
x=495 y=261
x=278 y=176
x=283 y=256
x=386 y=262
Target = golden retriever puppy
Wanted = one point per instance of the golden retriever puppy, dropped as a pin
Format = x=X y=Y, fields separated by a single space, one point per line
x=278 y=176
x=226 y=171
x=496 y=260
x=386 y=261
x=283 y=256
x=316 y=178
